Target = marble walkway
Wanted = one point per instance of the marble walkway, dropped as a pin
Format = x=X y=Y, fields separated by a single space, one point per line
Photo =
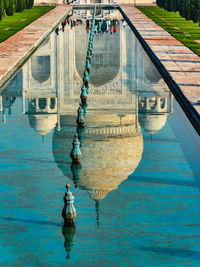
x=180 y=62
x=15 y=50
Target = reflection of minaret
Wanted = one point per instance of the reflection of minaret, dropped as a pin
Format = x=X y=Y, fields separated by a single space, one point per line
x=155 y=101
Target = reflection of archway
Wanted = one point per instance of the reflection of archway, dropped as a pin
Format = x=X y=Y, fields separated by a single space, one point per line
x=42 y=103
x=105 y=59
x=40 y=68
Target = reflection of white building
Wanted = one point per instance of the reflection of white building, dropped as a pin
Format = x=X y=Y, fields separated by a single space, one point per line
x=82 y=2
x=126 y=92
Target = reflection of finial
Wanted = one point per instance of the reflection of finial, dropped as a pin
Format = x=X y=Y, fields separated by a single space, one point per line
x=81 y=134
x=68 y=212
x=42 y=139
x=4 y=118
x=86 y=76
x=84 y=107
x=68 y=233
x=87 y=65
x=80 y=117
x=76 y=169
x=151 y=137
x=84 y=94
x=76 y=152
x=97 y=206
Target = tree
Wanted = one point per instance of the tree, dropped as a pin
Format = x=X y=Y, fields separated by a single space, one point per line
x=170 y=5
x=29 y=3
x=192 y=13
x=182 y=8
x=1 y=9
x=10 y=8
x=187 y=9
x=19 y=6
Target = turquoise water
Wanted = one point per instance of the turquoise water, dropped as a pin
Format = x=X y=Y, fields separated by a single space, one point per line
x=137 y=194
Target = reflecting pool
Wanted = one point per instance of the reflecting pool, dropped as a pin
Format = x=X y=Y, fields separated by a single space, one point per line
x=137 y=186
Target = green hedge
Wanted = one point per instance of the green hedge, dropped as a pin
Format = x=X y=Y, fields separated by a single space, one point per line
x=189 y=9
x=8 y=7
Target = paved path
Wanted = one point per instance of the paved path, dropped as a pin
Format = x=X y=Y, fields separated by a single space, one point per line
x=15 y=50
x=181 y=63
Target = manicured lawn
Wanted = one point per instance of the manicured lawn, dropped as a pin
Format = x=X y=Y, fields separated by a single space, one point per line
x=187 y=32
x=13 y=24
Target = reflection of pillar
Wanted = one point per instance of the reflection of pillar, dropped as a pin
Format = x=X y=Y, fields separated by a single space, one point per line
x=1 y=104
x=136 y=66
x=48 y=104
x=72 y=58
x=142 y=67
x=158 y=104
x=171 y=101
x=147 y=107
x=56 y=84
x=59 y=75
x=36 y=103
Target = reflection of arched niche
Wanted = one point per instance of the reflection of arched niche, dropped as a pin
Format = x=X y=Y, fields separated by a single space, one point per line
x=105 y=59
x=150 y=71
x=40 y=68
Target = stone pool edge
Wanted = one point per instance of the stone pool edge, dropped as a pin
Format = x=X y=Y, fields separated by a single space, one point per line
x=19 y=47
x=138 y=22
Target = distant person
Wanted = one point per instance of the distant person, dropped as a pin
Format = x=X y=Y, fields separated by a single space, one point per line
x=68 y=19
x=115 y=26
x=63 y=24
x=111 y=27
x=88 y=25
x=99 y=26
x=57 y=31
x=104 y=26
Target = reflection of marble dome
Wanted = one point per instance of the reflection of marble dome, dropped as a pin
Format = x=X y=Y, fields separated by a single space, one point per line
x=152 y=123
x=43 y=123
x=106 y=162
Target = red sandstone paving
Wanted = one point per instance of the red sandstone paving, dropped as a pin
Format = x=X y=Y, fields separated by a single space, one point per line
x=19 y=45
x=182 y=64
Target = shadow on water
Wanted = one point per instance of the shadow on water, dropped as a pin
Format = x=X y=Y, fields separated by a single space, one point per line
x=182 y=253
x=164 y=181
x=31 y=221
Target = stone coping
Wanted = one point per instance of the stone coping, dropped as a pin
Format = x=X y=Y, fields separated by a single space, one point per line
x=15 y=50
x=172 y=58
